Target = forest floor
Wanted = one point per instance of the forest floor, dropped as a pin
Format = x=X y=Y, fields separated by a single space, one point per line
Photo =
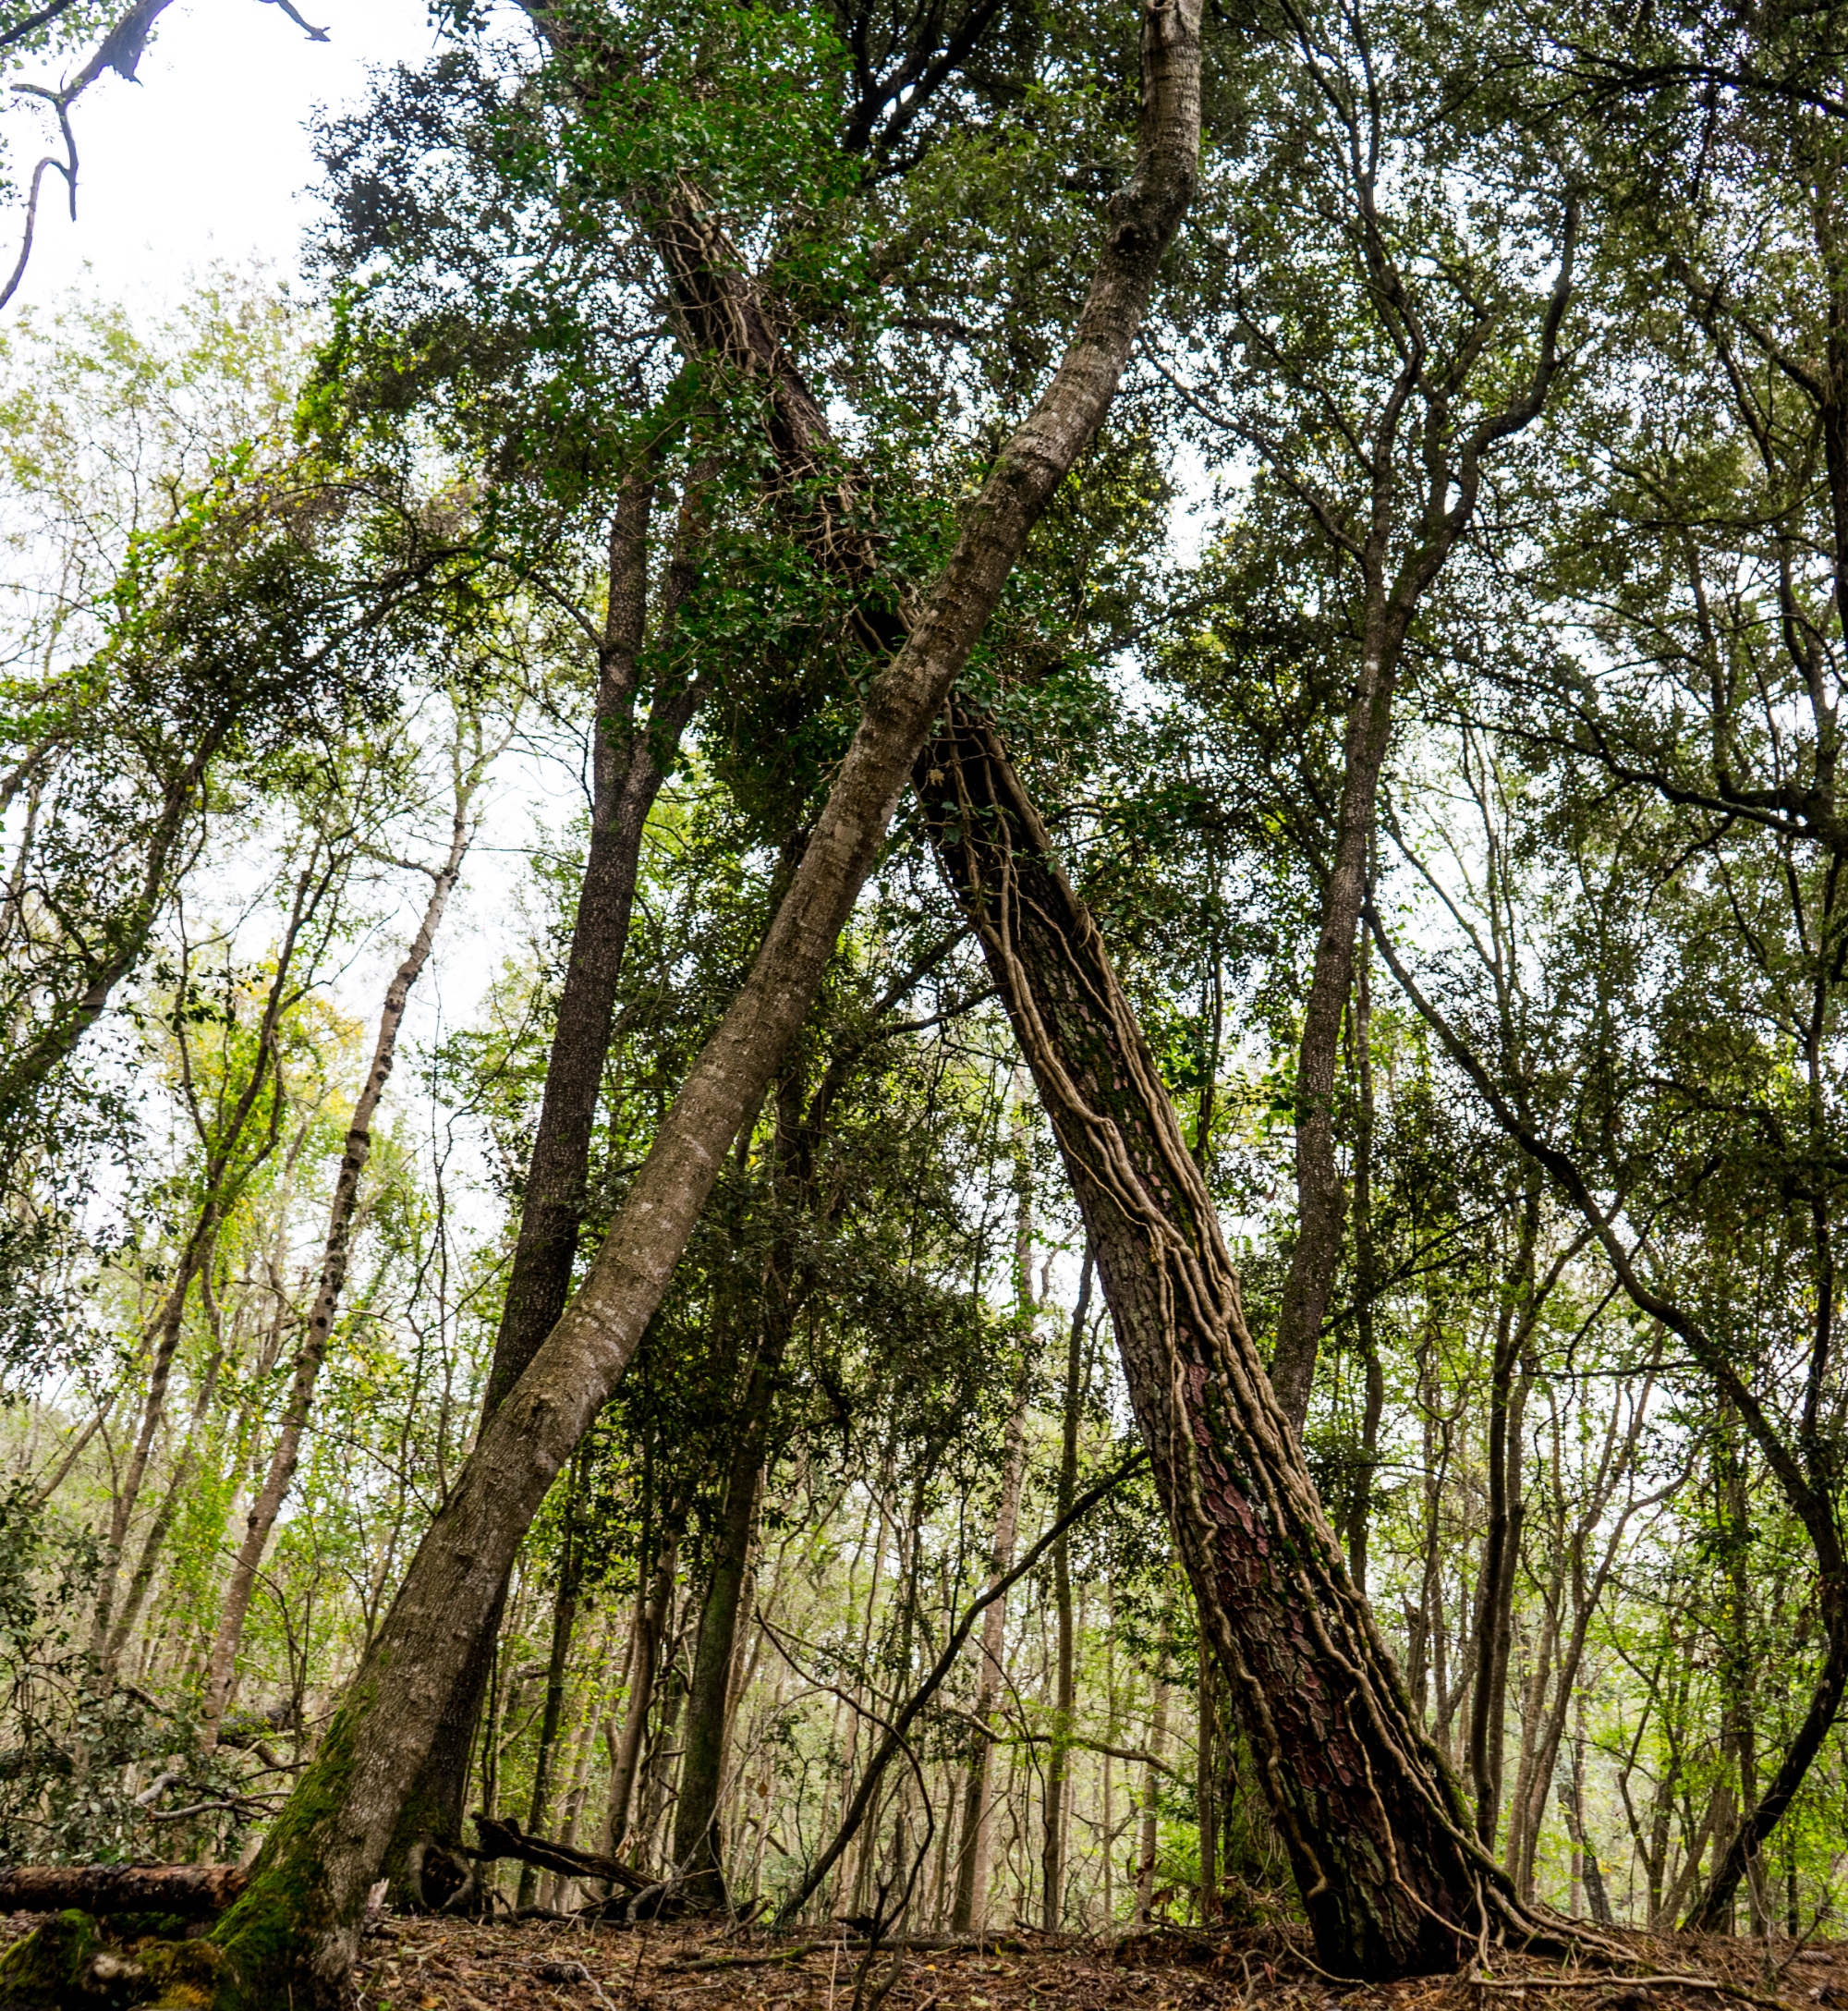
x=420 y=1965
x=434 y=1965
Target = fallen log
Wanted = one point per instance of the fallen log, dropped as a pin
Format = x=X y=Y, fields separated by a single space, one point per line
x=190 y=1889
x=508 y=1840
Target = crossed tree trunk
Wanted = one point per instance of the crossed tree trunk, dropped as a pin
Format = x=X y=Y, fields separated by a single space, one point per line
x=294 y=1934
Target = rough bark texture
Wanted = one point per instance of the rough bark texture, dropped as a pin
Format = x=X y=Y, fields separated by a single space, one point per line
x=295 y=1929
x=1392 y=1877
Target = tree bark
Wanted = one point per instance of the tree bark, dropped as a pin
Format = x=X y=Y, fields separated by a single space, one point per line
x=655 y=1597
x=628 y=762
x=1392 y=1877
x=297 y=1927
x=1322 y=1203
x=190 y=1889
x=1501 y=1542
x=1059 y=1759
x=1366 y=1279
x=221 y=1668
x=968 y=1910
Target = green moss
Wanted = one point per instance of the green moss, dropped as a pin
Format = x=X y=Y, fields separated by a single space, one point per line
x=40 y=1973
x=183 y=1974
x=263 y=1938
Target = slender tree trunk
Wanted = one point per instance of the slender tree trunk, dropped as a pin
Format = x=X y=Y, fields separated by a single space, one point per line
x=1502 y=1544
x=1151 y=1839
x=218 y=1184
x=141 y=1581
x=1366 y=1277
x=1530 y=1778
x=658 y=1769
x=1738 y=1735
x=655 y=1599
x=557 y=1666
x=1587 y=1875
x=221 y=1666
x=1369 y=1813
x=1058 y=1756
x=629 y=759
x=295 y=1929
x=969 y=1910
x=584 y=1735
x=1320 y=1202
x=1206 y=1786
x=696 y=1850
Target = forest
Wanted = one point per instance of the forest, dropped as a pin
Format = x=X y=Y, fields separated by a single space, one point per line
x=924 y=963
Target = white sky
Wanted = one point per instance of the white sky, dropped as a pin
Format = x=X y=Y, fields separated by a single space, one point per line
x=205 y=159
x=206 y=156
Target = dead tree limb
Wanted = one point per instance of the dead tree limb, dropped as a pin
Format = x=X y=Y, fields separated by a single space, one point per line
x=508 y=1840
x=194 y=1889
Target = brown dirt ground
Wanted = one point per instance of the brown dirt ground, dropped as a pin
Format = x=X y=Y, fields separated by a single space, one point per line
x=430 y=1965
x=438 y=1965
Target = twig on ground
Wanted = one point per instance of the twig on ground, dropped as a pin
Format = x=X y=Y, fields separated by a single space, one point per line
x=1715 y=1983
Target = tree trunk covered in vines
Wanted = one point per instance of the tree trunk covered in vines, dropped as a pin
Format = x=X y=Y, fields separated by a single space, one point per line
x=1375 y=1827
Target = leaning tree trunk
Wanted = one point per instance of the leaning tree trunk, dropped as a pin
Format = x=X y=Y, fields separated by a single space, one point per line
x=293 y=1936
x=1392 y=1877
